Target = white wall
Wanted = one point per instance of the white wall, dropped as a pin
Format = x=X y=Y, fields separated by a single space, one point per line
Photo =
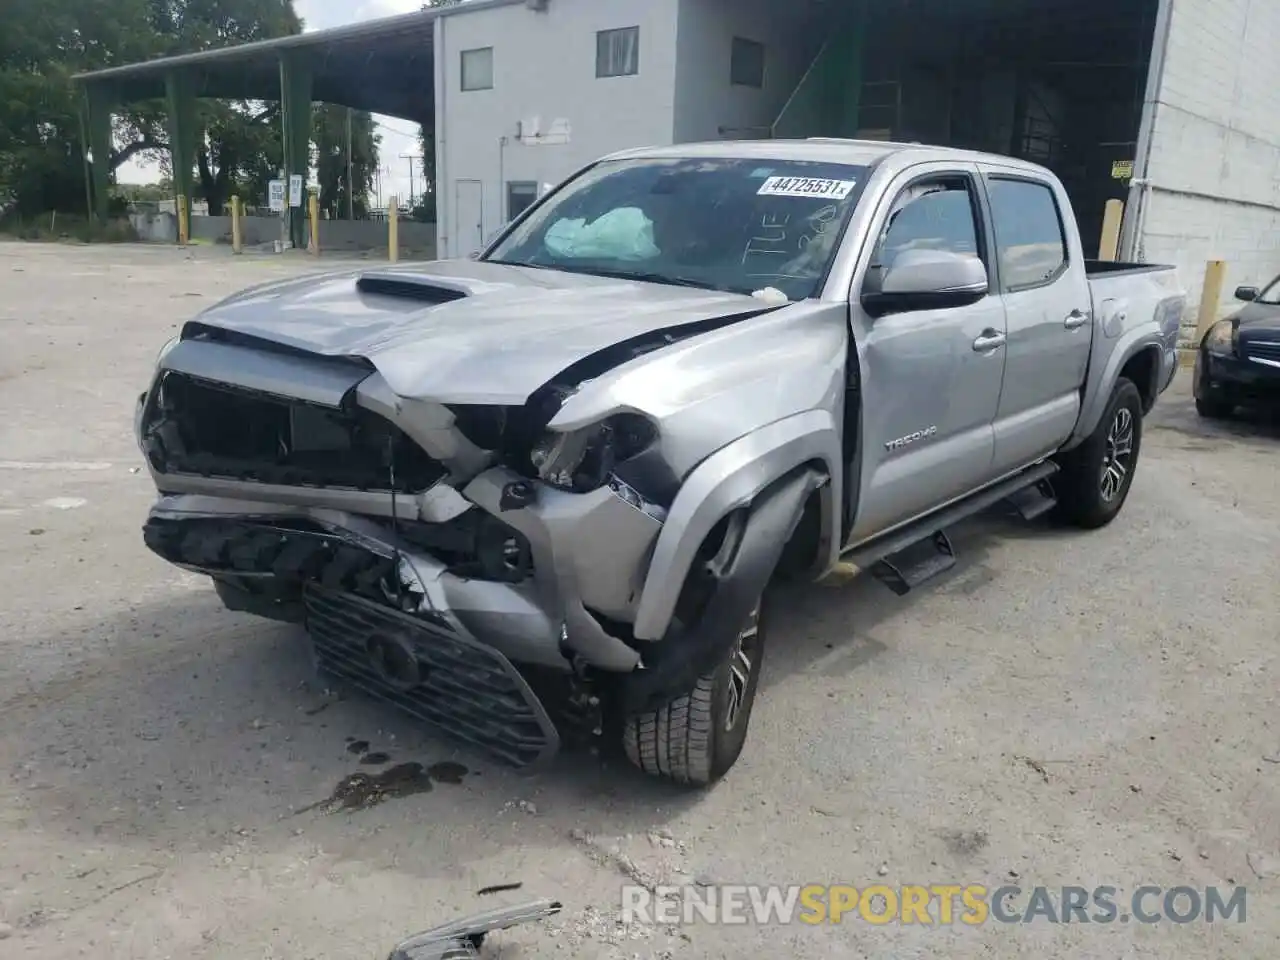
x=544 y=66
x=706 y=101
x=1215 y=160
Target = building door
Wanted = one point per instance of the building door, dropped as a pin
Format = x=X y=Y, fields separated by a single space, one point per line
x=469 y=218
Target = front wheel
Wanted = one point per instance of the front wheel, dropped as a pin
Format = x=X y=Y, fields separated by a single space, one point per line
x=1096 y=476
x=697 y=736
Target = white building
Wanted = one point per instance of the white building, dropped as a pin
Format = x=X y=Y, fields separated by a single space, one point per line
x=1185 y=93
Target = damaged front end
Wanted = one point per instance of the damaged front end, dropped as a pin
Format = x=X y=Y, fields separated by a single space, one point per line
x=439 y=556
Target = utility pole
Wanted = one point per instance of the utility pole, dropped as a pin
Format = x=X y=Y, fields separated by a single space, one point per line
x=410 y=157
x=351 y=186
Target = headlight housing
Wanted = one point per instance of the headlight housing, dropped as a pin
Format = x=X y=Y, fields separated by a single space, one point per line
x=584 y=459
x=1221 y=338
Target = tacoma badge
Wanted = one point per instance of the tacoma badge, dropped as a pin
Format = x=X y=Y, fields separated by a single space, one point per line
x=911 y=438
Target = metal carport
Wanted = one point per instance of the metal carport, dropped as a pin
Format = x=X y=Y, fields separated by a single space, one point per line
x=385 y=66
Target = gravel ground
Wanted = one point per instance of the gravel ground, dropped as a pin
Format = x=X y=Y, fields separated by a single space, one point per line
x=1060 y=709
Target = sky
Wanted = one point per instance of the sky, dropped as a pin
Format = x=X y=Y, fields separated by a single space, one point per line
x=398 y=136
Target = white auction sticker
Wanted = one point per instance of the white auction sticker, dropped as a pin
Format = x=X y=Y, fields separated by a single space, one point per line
x=806 y=187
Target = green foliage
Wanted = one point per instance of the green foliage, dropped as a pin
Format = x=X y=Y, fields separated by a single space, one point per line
x=330 y=136
x=44 y=42
x=73 y=228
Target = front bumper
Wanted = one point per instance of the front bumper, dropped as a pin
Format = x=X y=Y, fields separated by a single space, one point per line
x=583 y=548
x=1237 y=380
x=394 y=621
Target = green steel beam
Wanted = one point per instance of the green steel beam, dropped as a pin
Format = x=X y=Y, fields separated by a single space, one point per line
x=295 y=114
x=827 y=101
x=98 y=102
x=182 y=134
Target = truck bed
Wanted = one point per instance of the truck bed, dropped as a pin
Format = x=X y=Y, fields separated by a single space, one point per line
x=1096 y=268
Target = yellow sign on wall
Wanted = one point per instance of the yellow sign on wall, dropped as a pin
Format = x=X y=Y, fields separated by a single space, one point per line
x=1122 y=170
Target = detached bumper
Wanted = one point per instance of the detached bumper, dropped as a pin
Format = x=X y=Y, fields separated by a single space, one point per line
x=451 y=646
x=1236 y=380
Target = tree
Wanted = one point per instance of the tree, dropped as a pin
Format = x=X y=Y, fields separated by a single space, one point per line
x=330 y=135
x=43 y=43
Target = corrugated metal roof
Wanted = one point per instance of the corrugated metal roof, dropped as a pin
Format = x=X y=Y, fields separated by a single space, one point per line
x=417 y=26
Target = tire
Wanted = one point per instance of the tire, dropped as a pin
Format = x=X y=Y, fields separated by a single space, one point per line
x=1214 y=409
x=1095 y=477
x=693 y=740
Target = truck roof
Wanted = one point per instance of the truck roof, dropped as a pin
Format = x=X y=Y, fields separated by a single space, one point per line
x=828 y=149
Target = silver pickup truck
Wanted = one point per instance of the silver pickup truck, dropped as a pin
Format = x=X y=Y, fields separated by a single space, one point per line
x=543 y=491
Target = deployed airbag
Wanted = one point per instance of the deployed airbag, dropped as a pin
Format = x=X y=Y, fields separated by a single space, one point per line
x=621 y=234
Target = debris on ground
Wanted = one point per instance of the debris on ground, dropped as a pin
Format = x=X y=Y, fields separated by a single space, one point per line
x=498 y=888
x=1035 y=765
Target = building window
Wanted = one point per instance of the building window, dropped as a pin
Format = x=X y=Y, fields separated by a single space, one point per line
x=746 y=68
x=520 y=197
x=477 y=69
x=618 y=52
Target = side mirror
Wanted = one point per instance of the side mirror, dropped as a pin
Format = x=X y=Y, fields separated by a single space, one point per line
x=1246 y=293
x=928 y=280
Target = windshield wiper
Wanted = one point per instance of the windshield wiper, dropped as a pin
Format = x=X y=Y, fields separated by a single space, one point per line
x=644 y=277
x=641 y=276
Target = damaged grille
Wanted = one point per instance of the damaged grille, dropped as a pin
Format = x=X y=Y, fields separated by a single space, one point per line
x=467 y=690
x=209 y=429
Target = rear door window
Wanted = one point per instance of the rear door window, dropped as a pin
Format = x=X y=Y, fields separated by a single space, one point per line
x=1031 y=245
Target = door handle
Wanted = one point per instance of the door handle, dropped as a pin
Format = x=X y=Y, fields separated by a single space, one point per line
x=1075 y=319
x=990 y=340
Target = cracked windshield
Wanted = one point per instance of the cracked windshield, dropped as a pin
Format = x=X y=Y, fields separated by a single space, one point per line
x=764 y=227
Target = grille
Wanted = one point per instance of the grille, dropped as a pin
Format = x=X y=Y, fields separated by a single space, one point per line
x=465 y=689
x=1262 y=351
x=211 y=429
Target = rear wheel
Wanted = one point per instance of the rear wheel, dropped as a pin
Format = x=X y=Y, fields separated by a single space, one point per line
x=1214 y=409
x=697 y=736
x=1095 y=477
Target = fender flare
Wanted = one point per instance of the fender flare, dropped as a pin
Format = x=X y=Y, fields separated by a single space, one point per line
x=1098 y=393
x=725 y=481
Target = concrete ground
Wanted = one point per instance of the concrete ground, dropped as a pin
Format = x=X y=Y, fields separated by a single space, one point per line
x=1062 y=709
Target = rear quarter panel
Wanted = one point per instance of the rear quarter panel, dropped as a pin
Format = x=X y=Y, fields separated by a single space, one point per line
x=1133 y=311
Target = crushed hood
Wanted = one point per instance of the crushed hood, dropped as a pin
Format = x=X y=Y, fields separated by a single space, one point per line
x=465 y=331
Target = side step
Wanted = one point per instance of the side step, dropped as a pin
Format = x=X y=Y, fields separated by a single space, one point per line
x=905 y=558
x=905 y=570
x=1034 y=501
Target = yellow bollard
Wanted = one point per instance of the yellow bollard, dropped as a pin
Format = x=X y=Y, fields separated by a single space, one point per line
x=237 y=229
x=313 y=210
x=393 y=230
x=183 y=227
x=1215 y=274
x=1112 y=217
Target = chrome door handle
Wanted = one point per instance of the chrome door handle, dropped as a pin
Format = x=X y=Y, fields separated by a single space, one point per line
x=1075 y=319
x=988 y=341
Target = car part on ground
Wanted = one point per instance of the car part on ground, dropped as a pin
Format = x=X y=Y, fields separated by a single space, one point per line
x=462 y=939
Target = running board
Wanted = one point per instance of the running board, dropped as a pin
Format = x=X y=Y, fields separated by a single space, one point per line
x=905 y=558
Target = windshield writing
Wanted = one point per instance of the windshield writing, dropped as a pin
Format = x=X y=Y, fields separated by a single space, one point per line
x=726 y=224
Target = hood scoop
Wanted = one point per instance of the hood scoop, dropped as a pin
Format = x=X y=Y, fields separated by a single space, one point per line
x=408 y=286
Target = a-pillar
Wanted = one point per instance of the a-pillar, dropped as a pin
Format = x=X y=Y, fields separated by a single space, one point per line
x=98 y=101
x=182 y=134
x=295 y=115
